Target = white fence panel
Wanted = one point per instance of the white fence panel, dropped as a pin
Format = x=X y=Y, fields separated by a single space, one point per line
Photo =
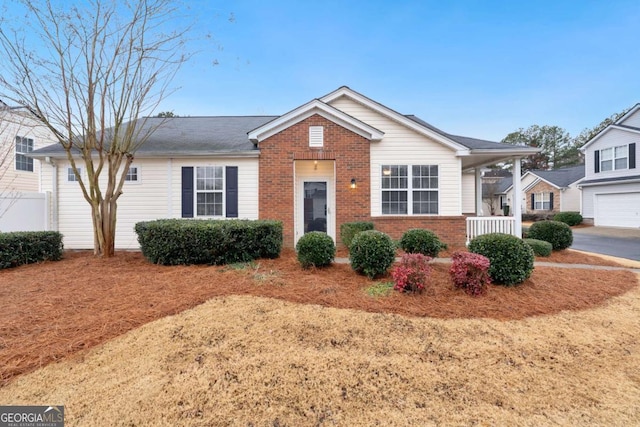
x=24 y=212
x=477 y=226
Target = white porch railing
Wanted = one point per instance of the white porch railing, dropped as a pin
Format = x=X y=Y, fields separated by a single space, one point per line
x=479 y=225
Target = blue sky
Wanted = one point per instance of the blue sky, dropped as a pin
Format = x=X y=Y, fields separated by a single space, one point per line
x=475 y=68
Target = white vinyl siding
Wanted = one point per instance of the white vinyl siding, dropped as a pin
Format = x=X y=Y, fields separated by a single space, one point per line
x=247 y=183
x=403 y=146
x=469 y=194
x=633 y=120
x=612 y=138
x=16 y=123
x=158 y=196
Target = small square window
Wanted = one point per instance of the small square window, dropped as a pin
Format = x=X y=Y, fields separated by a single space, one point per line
x=71 y=176
x=132 y=174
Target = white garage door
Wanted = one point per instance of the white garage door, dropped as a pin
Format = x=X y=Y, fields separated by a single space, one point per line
x=617 y=210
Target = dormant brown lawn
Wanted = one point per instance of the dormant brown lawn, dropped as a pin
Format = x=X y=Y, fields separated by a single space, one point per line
x=277 y=345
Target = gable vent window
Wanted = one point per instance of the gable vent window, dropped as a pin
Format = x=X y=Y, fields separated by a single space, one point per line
x=316 y=136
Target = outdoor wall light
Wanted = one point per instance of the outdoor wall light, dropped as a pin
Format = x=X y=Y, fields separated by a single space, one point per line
x=353 y=183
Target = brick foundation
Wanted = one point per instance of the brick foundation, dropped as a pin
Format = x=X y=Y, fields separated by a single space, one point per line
x=451 y=230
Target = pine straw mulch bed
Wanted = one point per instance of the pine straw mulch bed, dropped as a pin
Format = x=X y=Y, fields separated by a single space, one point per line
x=54 y=309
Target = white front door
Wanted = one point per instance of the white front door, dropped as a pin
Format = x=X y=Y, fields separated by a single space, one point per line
x=315 y=206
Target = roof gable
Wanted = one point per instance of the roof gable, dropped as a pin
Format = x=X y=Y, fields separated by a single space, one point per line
x=560 y=178
x=630 y=122
x=415 y=125
x=309 y=109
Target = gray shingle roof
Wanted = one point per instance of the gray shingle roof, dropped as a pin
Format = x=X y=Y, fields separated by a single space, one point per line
x=471 y=143
x=228 y=134
x=608 y=180
x=561 y=177
x=192 y=135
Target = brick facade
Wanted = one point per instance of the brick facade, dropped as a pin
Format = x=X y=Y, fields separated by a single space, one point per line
x=278 y=153
x=543 y=187
x=351 y=154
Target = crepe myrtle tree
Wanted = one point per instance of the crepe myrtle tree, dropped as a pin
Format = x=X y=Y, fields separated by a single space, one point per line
x=91 y=70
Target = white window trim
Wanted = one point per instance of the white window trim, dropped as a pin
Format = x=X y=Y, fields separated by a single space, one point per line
x=409 y=190
x=70 y=170
x=196 y=192
x=16 y=153
x=137 y=180
x=613 y=158
x=539 y=198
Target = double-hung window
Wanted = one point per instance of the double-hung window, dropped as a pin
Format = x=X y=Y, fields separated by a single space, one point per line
x=209 y=190
x=614 y=158
x=23 y=146
x=409 y=189
x=542 y=201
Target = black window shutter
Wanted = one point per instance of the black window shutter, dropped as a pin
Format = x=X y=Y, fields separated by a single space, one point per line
x=533 y=201
x=596 y=157
x=231 y=191
x=187 y=192
x=632 y=156
x=550 y=201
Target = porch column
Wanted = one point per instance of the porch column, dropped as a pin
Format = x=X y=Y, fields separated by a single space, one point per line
x=479 y=192
x=517 y=197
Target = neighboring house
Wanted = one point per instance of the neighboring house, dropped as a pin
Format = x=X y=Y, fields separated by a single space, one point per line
x=336 y=159
x=552 y=191
x=549 y=191
x=494 y=187
x=21 y=132
x=611 y=188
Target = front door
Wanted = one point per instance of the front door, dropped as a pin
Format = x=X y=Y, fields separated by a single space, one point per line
x=315 y=207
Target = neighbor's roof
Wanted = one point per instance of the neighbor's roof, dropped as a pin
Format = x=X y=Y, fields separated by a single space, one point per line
x=561 y=178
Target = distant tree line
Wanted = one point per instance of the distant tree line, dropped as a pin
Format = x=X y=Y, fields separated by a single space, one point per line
x=559 y=149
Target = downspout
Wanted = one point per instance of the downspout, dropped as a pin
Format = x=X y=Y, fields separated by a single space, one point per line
x=54 y=192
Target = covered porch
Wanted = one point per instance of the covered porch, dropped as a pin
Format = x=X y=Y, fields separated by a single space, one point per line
x=484 y=223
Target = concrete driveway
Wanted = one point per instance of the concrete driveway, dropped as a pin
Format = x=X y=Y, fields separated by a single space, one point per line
x=618 y=242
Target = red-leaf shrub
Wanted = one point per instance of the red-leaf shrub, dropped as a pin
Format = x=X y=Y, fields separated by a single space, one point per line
x=412 y=274
x=470 y=271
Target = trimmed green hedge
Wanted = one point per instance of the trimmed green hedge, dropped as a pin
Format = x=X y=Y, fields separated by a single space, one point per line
x=570 y=218
x=27 y=247
x=557 y=233
x=193 y=241
x=511 y=258
x=315 y=249
x=348 y=230
x=540 y=247
x=372 y=253
x=421 y=241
